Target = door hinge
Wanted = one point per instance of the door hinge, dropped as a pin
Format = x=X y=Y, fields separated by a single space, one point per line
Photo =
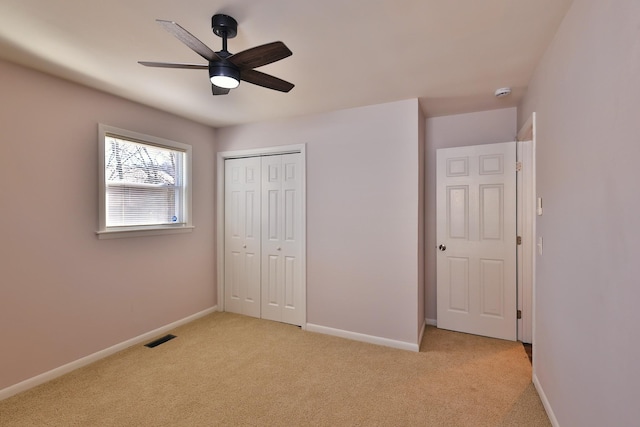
x=518 y=166
x=518 y=240
x=519 y=314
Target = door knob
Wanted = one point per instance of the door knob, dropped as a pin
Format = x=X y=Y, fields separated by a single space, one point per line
x=442 y=248
x=279 y=248
x=244 y=246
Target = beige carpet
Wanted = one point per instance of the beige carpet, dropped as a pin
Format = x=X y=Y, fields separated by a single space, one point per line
x=230 y=370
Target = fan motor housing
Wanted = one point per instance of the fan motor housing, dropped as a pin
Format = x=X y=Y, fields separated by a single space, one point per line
x=224 y=25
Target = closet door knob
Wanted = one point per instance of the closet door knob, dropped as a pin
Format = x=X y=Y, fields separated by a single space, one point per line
x=244 y=246
x=279 y=248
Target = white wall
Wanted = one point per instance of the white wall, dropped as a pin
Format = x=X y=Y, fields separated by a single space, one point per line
x=64 y=294
x=362 y=213
x=486 y=127
x=586 y=93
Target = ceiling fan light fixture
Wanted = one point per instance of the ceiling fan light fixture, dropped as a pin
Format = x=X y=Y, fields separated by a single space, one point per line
x=225 y=82
x=223 y=75
x=225 y=68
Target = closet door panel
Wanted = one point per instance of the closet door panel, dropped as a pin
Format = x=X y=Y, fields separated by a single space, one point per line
x=272 y=238
x=242 y=236
x=281 y=243
x=292 y=304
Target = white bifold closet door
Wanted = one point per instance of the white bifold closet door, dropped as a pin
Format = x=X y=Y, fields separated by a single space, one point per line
x=242 y=236
x=263 y=228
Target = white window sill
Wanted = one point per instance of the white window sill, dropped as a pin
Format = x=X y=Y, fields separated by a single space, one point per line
x=143 y=231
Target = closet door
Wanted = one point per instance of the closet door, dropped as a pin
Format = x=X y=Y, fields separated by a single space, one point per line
x=282 y=286
x=242 y=236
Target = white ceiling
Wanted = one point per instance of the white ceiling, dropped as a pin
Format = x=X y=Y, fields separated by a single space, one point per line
x=450 y=54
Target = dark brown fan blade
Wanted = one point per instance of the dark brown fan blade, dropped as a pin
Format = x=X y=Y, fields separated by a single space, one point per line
x=260 y=55
x=219 y=90
x=189 y=39
x=265 y=80
x=173 y=65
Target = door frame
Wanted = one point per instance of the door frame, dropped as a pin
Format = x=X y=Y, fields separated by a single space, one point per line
x=220 y=181
x=526 y=144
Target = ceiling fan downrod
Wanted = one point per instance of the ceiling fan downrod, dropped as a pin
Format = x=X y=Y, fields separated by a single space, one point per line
x=224 y=26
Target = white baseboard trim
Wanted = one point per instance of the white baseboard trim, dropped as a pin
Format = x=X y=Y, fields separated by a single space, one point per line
x=64 y=369
x=432 y=322
x=545 y=401
x=402 y=345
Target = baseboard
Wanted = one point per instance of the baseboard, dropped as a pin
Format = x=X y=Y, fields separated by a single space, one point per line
x=371 y=339
x=545 y=402
x=64 y=369
x=432 y=322
x=422 y=329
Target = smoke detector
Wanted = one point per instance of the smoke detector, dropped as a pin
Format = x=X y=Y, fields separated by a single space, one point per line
x=504 y=91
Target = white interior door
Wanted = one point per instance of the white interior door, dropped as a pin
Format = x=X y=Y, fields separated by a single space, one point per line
x=282 y=289
x=242 y=236
x=476 y=235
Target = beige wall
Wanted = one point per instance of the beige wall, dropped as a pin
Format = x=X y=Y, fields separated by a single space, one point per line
x=486 y=127
x=362 y=213
x=64 y=294
x=586 y=93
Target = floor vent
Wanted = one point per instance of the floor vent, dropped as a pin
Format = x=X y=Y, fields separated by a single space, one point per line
x=159 y=341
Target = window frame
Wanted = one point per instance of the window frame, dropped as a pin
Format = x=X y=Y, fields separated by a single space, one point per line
x=105 y=232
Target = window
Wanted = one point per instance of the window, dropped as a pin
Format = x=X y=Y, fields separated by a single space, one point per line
x=144 y=184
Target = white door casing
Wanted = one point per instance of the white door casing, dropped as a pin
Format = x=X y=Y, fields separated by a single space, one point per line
x=476 y=236
x=525 y=253
x=242 y=236
x=527 y=229
x=281 y=231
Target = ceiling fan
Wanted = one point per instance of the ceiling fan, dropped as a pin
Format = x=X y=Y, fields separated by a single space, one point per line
x=227 y=69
